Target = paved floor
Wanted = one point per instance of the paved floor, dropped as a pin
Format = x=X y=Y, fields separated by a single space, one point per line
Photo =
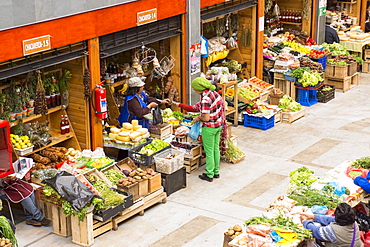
x=199 y=214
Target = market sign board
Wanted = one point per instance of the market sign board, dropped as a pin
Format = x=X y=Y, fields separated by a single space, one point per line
x=31 y=46
x=147 y=16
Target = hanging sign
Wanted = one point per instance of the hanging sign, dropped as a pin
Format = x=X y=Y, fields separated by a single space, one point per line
x=322 y=7
x=146 y=16
x=31 y=46
x=195 y=58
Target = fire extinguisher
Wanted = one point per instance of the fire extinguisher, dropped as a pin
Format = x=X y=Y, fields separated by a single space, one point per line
x=101 y=110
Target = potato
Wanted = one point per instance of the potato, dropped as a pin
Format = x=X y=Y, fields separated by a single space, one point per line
x=121 y=180
x=132 y=174
x=237 y=228
x=237 y=233
x=137 y=177
x=230 y=232
x=144 y=177
x=133 y=181
x=231 y=228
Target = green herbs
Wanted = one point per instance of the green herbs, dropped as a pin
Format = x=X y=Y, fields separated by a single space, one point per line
x=340 y=63
x=363 y=162
x=114 y=175
x=286 y=223
x=257 y=221
x=307 y=196
x=232 y=151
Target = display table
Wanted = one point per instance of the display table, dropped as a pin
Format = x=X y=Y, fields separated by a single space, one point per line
x=355 y=46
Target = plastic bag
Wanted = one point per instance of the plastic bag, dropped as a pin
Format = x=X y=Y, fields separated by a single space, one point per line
x=195 y=130
x=157 y=116
x=71 y=189
x=45 y=173
x=319 y=209
x=339 y=189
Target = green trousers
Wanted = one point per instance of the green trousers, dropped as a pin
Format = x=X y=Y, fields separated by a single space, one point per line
x=211 y=145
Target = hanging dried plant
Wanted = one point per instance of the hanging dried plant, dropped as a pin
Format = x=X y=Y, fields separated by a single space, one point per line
x=86 y=81
x=306 y=9
x=40 y=98
x=31 y=84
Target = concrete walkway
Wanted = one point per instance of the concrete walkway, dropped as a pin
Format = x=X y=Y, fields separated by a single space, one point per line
x=199 y=214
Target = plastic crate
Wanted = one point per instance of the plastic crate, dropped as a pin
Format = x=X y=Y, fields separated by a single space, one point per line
x=143 y=159
x=327 y=95
x=168 y=166
x=289 y=77
x=307 y=97
x=262 y=123
x=321 y=60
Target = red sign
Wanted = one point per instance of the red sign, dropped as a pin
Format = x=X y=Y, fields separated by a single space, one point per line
x=31 y=46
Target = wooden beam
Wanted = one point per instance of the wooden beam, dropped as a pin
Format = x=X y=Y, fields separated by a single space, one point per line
x=313 y=19
x=94 y=66
x=362 y=17
x=259 y=40
x=184 y=82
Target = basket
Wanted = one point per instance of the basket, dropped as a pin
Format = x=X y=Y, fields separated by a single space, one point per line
x=23 y=151
x=325 y=96
x=307 y=97
x=321 y=60
x=143 y=159
x=289 y=77
x=168 y=166
x=262 y=123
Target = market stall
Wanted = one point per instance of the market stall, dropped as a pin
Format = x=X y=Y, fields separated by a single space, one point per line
x=280 y=225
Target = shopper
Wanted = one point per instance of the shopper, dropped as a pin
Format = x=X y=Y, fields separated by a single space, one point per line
x=212 y=108
x=338 y=231
x=331 y=35
x=19 y=191
x=137 y=104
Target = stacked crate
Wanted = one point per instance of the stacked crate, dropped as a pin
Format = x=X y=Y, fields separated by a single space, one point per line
x=366 y=63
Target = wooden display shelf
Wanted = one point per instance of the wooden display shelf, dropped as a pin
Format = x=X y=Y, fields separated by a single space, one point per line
x=34 y=117
x=231 y=110
x=291 y=23
x=56 y=139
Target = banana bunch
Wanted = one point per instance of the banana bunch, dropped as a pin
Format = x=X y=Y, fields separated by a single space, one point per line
x=124 y=88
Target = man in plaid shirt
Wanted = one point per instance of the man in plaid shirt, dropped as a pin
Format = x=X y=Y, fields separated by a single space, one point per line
x=212 y=108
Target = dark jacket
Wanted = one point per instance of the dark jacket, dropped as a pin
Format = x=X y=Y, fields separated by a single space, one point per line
x=331 y=35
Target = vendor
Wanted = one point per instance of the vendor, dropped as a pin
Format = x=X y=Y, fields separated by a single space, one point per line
x=331 y=35
x=338 y=231
x=19 y=191
x=137 y=104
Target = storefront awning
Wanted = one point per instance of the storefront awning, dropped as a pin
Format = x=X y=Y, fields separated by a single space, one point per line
x=128 y=39
x=23 y=65
x=225 y=8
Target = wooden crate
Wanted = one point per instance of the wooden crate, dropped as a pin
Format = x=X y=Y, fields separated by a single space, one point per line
x=45 y=208
x=343 y=84
x=366 y=66
x=98 y=175
x=287 y=87
x=335 y=71
x=84 y=232
x=352 y=68
x=194 y=152
x=278 y=117
x=192 y=164
x=133 y=189
x=184 y=138
x=61 y=224
x=143 y=187
x=163 y=131
x=290 y=117
x=154 y=183
x=367 y=54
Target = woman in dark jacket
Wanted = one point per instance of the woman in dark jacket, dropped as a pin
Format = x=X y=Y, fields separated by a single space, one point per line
x=137 y=104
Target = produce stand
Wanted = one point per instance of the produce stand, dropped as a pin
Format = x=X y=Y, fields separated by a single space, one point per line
x=343 y=84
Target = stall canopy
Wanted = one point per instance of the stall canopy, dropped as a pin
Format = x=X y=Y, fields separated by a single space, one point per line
x=19 y=66
x=225 y=8
x=128 y=39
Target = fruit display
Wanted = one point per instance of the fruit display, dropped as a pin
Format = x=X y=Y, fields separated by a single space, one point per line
x=297 y=47
x=153 y=147
x=316 y=54
x=20 y=142
x=258 y=108
x=260 y=83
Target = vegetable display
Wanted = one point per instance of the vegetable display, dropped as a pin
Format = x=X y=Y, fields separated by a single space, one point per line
x=336 y=49
x=310 y=79
x=8 y=238
x=114 y=175
x=363 y=162
x=153 y=147
x=287 y=104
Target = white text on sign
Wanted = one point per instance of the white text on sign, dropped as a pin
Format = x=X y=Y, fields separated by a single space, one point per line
x=35 y=45
x=146 y=16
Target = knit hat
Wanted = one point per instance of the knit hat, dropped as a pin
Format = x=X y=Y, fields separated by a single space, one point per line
x=201 y=84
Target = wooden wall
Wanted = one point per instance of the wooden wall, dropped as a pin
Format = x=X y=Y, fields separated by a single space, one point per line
x=78 y=109
x=247 y=19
